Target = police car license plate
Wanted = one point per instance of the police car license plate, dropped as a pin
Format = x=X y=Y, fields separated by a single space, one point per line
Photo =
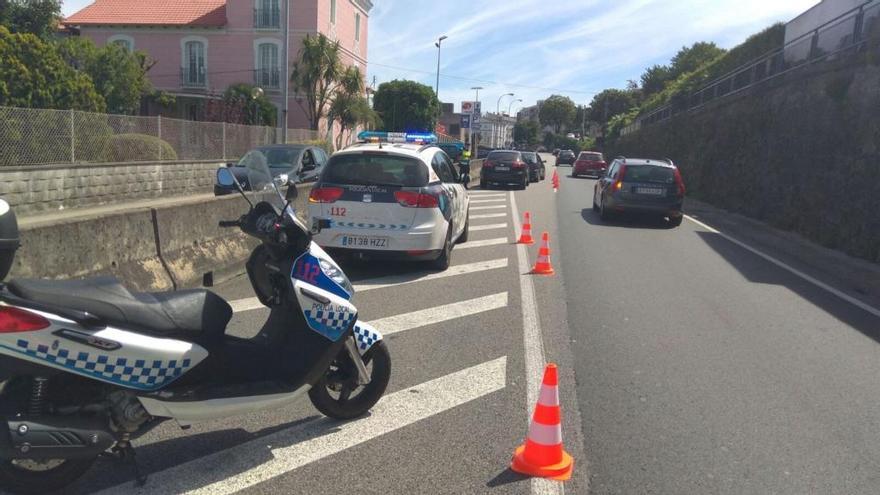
x=364 y=241
x=655 y=191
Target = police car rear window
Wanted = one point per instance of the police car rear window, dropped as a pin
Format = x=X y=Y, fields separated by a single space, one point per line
x=376 y=170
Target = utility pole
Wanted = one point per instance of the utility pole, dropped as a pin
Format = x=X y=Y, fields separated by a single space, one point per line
x=285 y=50
x=476 y=104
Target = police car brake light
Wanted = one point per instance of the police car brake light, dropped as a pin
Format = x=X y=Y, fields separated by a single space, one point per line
x=413 y=199
x=325 y=194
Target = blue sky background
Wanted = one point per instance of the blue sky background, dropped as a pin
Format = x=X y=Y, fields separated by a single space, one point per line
x=535 y=48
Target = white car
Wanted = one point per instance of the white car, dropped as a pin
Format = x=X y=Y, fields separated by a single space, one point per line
x=391 y=200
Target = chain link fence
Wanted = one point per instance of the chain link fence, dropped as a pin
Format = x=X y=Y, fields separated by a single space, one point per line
x=37 y=136
x=847 y=33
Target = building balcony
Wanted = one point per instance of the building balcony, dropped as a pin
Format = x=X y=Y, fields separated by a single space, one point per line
x=193 y=77
x=267 y=78
x=267 y=18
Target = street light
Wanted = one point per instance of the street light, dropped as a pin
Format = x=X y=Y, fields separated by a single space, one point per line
x=511 y=104
x=437 y=44
x=476 y=103
x=498 y=113
x=498 y=105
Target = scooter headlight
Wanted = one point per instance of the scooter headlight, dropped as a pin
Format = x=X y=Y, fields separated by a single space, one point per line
x=336 y=274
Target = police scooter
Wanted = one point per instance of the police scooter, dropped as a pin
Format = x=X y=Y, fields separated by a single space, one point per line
x=87 y=366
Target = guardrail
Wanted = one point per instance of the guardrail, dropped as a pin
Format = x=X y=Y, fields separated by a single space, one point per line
x=846 y=33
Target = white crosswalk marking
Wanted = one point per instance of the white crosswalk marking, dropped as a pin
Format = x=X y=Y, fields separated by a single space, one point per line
x=481 y=201
x=267 y=457
x=246 y=304
x=481 y=208
x=383 y=282
x=479 y=244
x=488 y=215
x=494 y=226
x=487 y=196
x=439 y=314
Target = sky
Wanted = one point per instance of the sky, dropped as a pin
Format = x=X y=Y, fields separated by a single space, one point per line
x=535 y=48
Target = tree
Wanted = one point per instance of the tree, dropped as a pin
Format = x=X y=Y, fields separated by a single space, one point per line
x=33 y=75
x=557 y=111
x=243 y=105
x=316 y=76
x=655 y=78
x=119 y=75
x=611 y=102
x=350 y=111
x=527 y=132
x=406 y=106
x=689 y=59
x=39 y=17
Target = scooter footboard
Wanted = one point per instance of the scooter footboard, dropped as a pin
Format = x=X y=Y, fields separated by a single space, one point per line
x=366 y=336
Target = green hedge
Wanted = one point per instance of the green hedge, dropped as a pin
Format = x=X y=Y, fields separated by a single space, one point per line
x=137 y=147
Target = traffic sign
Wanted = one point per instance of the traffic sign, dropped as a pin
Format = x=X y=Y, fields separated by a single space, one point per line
x=467 y=107
x=465 y=121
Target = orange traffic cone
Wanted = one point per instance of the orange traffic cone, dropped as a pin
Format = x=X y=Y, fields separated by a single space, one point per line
x=543 y=266
x=526 y=237
x=542 y=454
x=555 y=181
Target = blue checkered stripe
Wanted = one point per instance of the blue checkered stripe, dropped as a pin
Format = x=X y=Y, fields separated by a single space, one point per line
x=330 y=319
x=353 y=225
x=365 y=337
x=147 y=374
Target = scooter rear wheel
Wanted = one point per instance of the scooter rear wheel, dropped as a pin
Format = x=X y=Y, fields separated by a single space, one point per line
x=30 y=477
x=338 y=394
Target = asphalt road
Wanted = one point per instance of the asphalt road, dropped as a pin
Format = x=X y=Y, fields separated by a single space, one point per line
x=689 y=365
x=457 y=405
x=703 y=368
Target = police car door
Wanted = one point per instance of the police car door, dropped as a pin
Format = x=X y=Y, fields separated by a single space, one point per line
x=443 y=167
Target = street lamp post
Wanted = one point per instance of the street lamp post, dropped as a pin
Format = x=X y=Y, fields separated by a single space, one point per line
x=509 y=114
x=498 y=114
x=437 y=87
x=476 y=103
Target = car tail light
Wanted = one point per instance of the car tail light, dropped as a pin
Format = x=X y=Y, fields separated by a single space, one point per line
x=618 y=185
x=679 y=183
x=15 y=320
x=518 y=164
x=325 y=194
x=488 y=164
x=412 y=199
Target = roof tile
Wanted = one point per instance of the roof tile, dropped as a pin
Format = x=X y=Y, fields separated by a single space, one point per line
x=152 y=13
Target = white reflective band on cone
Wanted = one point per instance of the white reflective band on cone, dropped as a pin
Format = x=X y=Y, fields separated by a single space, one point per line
x=549 y=396
x=545 y=434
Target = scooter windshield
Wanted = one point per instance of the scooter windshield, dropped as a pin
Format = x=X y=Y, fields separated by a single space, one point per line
x=261 y=180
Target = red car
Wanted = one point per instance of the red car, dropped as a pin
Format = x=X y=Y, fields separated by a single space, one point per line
x=589 y=163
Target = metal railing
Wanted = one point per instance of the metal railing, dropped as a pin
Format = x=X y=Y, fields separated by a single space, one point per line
x=267 y=18
x=31 y=136
x=267 y=78
x=846 y=33
x=193 y=77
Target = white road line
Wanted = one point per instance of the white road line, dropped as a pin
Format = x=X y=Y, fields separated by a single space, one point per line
x=822 y=285
x=392 y=280
x=487 y=215
x=273 y=455
x=534 y=345
x=487 y=195
x=482 y=201
x=481 y=208
x=252 y=303
x=491 y=226
x=479 y=244
x=246 y=304
x=439 y=314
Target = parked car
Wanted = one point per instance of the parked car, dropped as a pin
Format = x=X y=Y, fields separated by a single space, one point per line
x=566 y=157
x=504 y=168
x=589 y=163
x=537 y=170
x=391 y=202
x=638 y=185
x=302 y=162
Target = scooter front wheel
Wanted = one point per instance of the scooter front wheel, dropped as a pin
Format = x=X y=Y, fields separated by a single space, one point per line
x=339 y=396
x=32 y=477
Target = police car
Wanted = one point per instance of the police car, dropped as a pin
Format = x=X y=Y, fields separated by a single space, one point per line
x=392 y=195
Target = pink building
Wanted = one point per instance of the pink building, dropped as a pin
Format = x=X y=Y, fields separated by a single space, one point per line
x=203 y=46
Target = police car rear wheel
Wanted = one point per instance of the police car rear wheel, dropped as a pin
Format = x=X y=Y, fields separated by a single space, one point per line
x=445 y=259
x=338 y=394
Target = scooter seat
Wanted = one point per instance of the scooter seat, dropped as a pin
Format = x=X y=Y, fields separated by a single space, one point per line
x=185 y=313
